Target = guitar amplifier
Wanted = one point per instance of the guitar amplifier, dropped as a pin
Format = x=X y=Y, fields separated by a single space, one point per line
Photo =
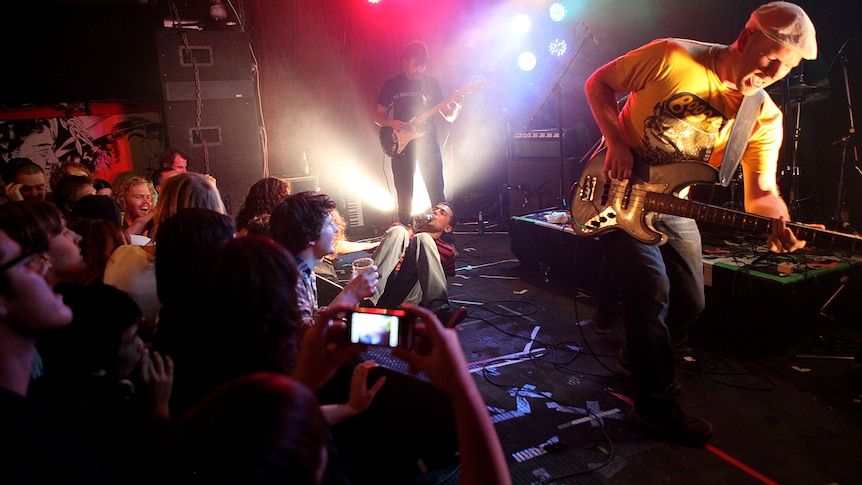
x=534 y=183
x=542 y=144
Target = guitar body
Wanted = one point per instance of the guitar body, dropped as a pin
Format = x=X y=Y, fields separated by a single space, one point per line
x=394 y=142
x=599 y=203
x=388 y=141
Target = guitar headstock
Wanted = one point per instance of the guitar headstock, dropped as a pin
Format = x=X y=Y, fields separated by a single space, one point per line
x=473 y=86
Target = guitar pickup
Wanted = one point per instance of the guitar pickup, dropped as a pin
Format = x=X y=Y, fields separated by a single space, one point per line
x=605 y=192
x=588 y=189
x=627 y=193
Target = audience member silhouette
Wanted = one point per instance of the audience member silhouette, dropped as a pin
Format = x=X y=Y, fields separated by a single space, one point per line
x=35 y=446
x=39 y=224
x=304 y=224
x=98 y=374
x=67 y=169
x=70 y=189
x=175 y=159
x=97 y=207
x=131 y=268
x=161 y=175
x=99 y=239
x=263 y=196
x=257 y=428
x=25 y=180
x=136 y=197
x=182 y=237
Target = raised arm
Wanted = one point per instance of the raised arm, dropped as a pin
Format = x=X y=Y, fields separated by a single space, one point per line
x=602 y=88
x=439 y=355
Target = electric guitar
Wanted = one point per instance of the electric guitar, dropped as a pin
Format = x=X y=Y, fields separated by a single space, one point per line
x=394 y=142
x=599 y=203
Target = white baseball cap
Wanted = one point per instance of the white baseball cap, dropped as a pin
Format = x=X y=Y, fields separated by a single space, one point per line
x=787 y=24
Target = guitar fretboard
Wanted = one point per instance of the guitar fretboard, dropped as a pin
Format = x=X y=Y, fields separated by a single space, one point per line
x=670 y=204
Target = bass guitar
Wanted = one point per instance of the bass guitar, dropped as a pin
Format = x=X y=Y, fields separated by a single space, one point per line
x=599 y=203
x=394 y=142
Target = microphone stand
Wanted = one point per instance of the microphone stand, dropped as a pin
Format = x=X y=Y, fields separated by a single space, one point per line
x=845 y=142
x=826 y=336
x=557 y=90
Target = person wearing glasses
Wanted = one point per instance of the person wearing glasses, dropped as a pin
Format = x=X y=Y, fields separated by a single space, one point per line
x=34 y=447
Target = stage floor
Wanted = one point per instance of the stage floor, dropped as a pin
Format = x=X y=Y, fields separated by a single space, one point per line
x=540 y=365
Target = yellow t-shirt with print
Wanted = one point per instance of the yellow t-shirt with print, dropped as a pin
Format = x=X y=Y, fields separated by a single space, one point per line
x=678 y=110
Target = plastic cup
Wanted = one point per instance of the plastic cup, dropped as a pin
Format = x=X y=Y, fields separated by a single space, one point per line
x=361 y=265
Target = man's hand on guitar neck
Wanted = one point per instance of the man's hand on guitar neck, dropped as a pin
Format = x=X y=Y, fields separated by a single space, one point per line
x=782 y=239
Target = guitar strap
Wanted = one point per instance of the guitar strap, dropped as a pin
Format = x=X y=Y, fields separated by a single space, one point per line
x=739 y=133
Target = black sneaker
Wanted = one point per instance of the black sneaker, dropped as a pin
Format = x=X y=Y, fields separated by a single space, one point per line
x=623 y=367
x=450 y=318
x=675 y=425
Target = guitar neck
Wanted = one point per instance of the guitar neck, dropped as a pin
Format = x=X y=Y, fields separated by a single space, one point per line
x=670 y=204
x=424 y=116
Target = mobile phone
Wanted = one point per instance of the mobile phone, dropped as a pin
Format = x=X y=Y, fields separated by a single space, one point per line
x=381 y=327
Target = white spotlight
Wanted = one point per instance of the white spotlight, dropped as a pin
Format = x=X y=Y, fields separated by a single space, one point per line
x=521 y=24
x=527 y=61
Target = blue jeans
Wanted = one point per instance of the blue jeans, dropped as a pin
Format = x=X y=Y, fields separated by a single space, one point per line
x=661 y=288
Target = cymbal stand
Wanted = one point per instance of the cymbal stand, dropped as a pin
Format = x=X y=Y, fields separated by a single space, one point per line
x=845 y=142
x=793 y=200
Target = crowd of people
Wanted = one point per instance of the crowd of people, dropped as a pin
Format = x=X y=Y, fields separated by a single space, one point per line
x=148 y=334
x=145 y=334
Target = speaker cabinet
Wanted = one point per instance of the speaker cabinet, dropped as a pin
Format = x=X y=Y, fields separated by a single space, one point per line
x=534 y=183
x=218 y=56
x=543 y=144
x=229 y=121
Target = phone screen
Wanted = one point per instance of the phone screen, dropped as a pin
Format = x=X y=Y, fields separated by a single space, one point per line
x=374 y=329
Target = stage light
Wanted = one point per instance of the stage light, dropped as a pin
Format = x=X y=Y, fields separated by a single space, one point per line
x=527 y=61
x=521 y=24
x=558 y=47
x=373 y=2
x=378 y=197
x=557 y=12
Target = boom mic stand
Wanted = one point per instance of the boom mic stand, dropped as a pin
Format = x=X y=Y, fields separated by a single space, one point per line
x=845 y=142
x=827 y=336
x=558 y=91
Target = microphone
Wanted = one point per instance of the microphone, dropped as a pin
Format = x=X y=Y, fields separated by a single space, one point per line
x=590 y=33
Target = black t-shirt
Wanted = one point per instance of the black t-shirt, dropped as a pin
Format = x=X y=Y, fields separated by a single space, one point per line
x=35 y=445
x=408 y=98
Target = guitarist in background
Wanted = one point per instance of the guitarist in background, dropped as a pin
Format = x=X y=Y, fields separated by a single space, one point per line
x=683 y=98
x=402 y=97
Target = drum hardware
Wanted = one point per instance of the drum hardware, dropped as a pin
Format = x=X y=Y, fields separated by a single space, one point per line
x=840 y=218
x=798 y=93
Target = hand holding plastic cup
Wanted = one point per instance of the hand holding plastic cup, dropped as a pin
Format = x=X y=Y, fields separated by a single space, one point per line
x=362 y=265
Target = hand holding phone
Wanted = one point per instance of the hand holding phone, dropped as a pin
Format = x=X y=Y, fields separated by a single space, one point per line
x=436 y=351
x=324 y=347
x=381 y=327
